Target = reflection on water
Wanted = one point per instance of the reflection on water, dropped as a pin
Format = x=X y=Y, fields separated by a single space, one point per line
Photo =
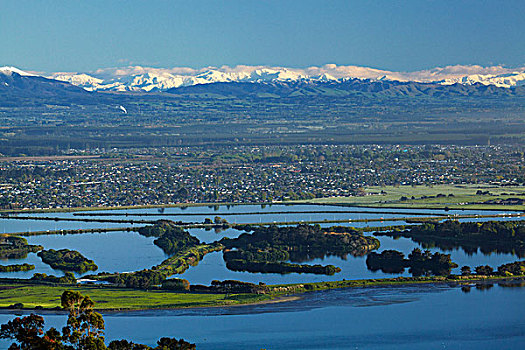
x=128 y=251
x=113 y=252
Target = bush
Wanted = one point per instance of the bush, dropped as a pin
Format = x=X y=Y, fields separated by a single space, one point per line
x=485 y=270
x=177 y=284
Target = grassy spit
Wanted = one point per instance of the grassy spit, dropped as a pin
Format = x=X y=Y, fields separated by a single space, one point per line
x=42 y=296
x=107 y=298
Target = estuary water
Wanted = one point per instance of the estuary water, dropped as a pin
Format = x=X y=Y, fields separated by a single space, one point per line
x=234 y=214
x=124 y=251
x=408 y=317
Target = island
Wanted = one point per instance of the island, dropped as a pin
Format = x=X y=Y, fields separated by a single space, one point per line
x=274 y=249
x=419 y=262
x=67 y=260
x=16 y=267
x=13 y=247
x=489 y=236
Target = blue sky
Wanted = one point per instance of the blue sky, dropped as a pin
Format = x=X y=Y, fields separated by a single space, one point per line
x=396 y=35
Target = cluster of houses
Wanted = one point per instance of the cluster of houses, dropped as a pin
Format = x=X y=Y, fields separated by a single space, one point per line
x=247 y=174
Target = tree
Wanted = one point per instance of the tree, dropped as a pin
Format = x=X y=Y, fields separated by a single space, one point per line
x=27 y=331
x=85 y=327
x=484 y=270
x=173 y=344
x=465 y=270
x=126 y=345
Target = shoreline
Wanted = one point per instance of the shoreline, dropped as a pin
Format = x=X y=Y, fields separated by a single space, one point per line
x=53 y=311
x=289 y=292
x=373 y=205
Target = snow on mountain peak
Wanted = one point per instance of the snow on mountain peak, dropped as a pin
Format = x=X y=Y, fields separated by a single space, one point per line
x=138 y=78
x=506 y=80
x=83 y=80
x=9 y=70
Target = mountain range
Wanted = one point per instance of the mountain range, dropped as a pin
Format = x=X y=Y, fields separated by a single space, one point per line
x=147 y=79
x=18 y=87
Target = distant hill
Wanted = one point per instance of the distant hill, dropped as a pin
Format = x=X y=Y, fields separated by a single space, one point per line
x=17 y=89
x=345 y=88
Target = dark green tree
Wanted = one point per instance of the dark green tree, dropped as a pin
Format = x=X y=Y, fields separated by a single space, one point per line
x=465 y=270
x=85 y=327
x=484 y=270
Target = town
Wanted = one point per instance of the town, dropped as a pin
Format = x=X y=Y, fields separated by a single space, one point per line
x=247 y=174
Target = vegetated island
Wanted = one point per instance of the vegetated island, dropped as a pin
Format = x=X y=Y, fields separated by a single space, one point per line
x=268 y=249
x=16 y=267
x=13 y=247
x=67 y=260
x=171 y=238
x=420 y=263
x=490 y=236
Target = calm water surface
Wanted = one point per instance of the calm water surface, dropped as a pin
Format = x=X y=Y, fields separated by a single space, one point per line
x=128 y=251
x=410 y=317
x=275 y=213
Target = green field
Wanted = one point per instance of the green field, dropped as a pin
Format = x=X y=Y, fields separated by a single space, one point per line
x=464 y=197
x=48 y=297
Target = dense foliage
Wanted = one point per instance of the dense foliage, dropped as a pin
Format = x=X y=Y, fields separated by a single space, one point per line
x=176 y=240
x=158 y=229
x=171 y=238
x=489 y=236
x=67 y=260
x=143 y=279
x=269 y=255
x=420 y=262
x=16 y=267
x=303 y=241
x=12 y=247
x=177 y=284
x=269 y=249
x=231 y=286
x=515 y=268
x=68 y=278
x=512 y=231
x=280 y=267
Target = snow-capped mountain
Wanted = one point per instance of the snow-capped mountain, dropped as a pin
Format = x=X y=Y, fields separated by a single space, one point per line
x=83 y=80
x=146 y=79
x=137 y=78
x=10 y=70
x=502 y=80
x=18 y=87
